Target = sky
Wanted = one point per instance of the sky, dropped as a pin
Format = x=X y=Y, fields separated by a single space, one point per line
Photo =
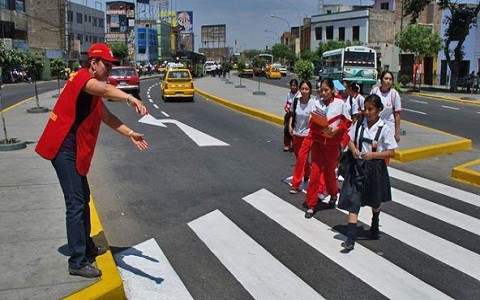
x=246 y=20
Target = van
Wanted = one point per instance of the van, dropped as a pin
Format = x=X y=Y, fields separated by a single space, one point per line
x=207 y=67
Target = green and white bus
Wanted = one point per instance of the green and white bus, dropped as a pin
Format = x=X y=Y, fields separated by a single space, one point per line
x=355 y=63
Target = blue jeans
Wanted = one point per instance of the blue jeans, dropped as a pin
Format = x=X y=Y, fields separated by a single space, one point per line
x=77 y=197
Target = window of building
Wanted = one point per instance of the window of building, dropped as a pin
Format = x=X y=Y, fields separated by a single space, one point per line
x=356 y=33
x=95 y=39
x=141 y=35
x=86 y=18
x=94 y=23
x=80 y=38
x=329 y=32
x=79 y=18
x=70 y=16
x=341 y=33
x=318 y=33
x=384 y=5
x=141 y=50
x=101 y=22
x=90 y=19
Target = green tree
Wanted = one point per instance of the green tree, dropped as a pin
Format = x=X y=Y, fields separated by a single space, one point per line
x=119 y=50
x=57 y=67
x=460 y=20
x=283 y=53
x=334 y=44
x=419 y=40
x=304 y=69
x=250 y=54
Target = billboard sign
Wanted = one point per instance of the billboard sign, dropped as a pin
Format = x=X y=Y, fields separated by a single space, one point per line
x=185 y=21
x=214 y=34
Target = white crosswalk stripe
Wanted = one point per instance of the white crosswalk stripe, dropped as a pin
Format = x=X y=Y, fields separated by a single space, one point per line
x=257 y=270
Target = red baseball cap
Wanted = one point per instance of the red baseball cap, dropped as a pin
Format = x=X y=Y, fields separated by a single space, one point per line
x=103 y=51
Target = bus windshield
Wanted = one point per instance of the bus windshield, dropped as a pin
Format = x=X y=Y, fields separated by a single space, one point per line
x=359 y=59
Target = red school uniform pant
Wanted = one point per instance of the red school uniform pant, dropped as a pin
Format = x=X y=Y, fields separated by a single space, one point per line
x=301 y=148
x=324 y=162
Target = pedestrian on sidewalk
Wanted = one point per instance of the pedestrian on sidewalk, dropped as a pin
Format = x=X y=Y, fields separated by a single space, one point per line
x=299 y=128
x=287 y=138
x=392 y=103
x=367 y=182
x=325 y=146
x=69 y=141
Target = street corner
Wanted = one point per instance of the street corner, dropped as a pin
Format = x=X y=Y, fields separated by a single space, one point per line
x=468 y=172
x=110 y=284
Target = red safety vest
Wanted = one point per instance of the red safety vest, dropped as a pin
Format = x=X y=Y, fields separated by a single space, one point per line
x=62 y=119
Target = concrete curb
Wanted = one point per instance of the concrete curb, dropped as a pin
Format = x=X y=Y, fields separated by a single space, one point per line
x=462 y=173
x=433 y=150
x=447 y=98
x=110 y=284
x=244 y=109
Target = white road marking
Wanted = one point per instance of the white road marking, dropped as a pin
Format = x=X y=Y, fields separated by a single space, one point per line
x=447 y=252
x=165 y=114
x=449 y=107
x=147 y=274
x=414 y=111
x=262 y=275
x=150 y=99
x=439 y=212
x=418 y=101
x=394 y=282
x=200 y=138
x=156 y=106
x=437 y=187
x=149 y=119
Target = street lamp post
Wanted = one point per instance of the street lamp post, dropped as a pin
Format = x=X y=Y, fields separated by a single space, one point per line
x=288 y=23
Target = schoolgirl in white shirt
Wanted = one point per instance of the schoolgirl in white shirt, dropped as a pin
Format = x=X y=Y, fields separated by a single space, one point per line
x=287 y=138
x=367 y=182
x=392 y=103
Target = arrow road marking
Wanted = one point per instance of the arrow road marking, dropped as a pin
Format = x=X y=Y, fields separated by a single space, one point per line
x=200 y=138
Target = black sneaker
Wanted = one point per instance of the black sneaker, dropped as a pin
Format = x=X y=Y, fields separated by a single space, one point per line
x=309 y=213
x=87 y=271
x=348 y=245
x=331 y=203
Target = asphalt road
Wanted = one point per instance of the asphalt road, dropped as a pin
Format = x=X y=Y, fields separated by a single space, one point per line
x=159 y=192
x=16 y=92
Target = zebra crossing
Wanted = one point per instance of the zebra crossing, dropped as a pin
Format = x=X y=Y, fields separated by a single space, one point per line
x=413 y=263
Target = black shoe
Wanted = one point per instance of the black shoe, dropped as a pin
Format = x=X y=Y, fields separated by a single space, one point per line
x=348 y=245
x=87 y=271
x=373 y=234
x=306 y=178
x=309 y=213
x=331 y=203
x=97 y=251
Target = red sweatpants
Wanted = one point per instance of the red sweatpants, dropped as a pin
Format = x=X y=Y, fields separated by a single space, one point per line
x=301 y=148
x=324 y=162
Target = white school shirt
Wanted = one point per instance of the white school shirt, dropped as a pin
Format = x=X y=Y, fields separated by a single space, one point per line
x=291 y=96
x=355 y=107
x=386 y=140
x=302 y=115
x=390 y=100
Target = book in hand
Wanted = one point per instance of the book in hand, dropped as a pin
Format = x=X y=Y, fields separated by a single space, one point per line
x=319 y=117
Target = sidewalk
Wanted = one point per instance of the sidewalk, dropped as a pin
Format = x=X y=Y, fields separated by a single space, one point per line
x=417 y=142
x=32 y=221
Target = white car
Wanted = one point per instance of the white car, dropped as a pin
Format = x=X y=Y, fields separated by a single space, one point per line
x=282 y=68
x=207 y=67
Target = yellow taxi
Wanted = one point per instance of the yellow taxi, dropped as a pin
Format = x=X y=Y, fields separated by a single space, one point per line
x=273 y=73
x=177 y=84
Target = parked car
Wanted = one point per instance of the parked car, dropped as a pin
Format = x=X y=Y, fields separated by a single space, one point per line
x=177 y=84
x=125 y=78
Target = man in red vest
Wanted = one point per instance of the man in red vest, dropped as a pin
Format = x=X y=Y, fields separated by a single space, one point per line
x=69 y=141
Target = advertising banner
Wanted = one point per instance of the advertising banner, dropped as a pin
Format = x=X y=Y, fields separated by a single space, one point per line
x=185 y=21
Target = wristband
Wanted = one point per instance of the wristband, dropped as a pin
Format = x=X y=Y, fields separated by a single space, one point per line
x=130 y=133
